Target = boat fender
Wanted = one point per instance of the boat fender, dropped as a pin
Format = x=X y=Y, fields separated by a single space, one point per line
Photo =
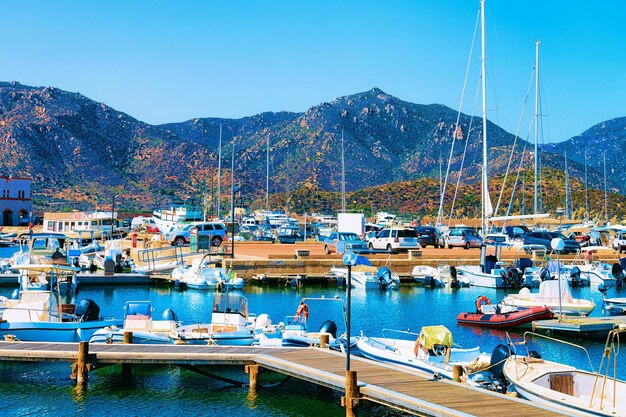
x=481 y=301
x=303 y=310
x=420 y=350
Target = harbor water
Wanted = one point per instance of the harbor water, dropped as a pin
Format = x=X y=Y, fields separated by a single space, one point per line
x=169 y=390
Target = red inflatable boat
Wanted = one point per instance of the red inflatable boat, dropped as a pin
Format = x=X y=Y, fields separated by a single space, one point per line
x=491 y=317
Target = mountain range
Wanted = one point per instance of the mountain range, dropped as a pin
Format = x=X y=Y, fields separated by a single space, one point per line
x=78 y=150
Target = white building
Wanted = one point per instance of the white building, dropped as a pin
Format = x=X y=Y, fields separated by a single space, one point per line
x=16 y=204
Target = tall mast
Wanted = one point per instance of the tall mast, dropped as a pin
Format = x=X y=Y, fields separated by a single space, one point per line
x=568 y=202
x=536 y=118
x=485 y=193
x=267 y=176
x=219 y=176
x=343 y=177
x=586 y=192
x=606 y=204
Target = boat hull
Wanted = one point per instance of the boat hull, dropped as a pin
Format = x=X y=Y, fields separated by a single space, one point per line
x=54 y=331
x=505 y=320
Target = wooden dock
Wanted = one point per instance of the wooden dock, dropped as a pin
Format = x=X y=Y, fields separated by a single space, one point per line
x=581 y=327
x=380 y=383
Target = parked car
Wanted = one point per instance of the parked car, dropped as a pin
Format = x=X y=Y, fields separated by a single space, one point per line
x=619 y=243
x=213 y=231
x=544 y=238
x=464 y=238
x=394 y=239
x=516 y=232
x=339 y=242
x=429 y=235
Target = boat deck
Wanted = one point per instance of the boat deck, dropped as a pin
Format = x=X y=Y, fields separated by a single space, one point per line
x=380 y=383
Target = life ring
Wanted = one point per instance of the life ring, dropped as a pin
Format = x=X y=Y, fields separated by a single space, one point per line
x=303 y=310
x=481 y=301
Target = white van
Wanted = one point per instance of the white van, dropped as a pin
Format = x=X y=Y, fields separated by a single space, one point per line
x=140 y=220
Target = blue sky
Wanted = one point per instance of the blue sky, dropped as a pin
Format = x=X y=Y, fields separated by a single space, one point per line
x=169 y=61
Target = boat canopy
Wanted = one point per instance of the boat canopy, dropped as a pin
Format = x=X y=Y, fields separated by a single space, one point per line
x=549 y=291
x=434 y=335
x=230 y=303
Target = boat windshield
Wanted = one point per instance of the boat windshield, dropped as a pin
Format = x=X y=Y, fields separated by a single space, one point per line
x=230 y=303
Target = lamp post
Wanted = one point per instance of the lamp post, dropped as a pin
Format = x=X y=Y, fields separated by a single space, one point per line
x=557 y=245
x=112 y=215
x=349 y=260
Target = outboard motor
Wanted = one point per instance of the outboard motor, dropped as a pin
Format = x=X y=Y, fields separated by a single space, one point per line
x=618 y=273
x=87 y=310
x=454 y=283
x=499 y=355
x=169 y=314
x=329 y=326
x=384 y=277
x=575 y=276
x=544 y=274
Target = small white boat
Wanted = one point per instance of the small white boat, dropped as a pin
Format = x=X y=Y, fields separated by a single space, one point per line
x=366 y=276
x=427 y=275
x=432 y=352
x=572 y=390
x=314 y=317
x=554 y=294
x=203 y=274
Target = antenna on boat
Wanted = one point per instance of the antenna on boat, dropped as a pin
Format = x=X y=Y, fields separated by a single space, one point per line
x=568 y=201
x=267 y=175
x=606 y=203
x=586 y=192
x=219 y=176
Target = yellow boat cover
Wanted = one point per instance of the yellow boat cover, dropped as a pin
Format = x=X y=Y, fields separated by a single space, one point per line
x=434 y=335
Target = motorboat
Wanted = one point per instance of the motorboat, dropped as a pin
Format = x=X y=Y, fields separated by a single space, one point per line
x=572 y=390
x=313 y=317
x=203 y=274
x=138 y=320
x=229 y=324
x=554 y=294
x=432 y=352
x=498 y=316
x=492 y=273
x=365 y=276
x=614 y=306
x=439 y=277
x=40 y=314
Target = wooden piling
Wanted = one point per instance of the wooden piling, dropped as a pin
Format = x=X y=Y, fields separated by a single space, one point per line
x=253 y=371
x=324 y=339
x=82 y=370
x=127 y=369
x=351 y=399
x=457 y=372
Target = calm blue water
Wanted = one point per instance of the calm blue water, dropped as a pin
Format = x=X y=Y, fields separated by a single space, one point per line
x=163 y=391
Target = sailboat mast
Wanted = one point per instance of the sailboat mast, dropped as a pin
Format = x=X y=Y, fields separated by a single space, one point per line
x=219 y=176
x=536 y=119
x=485 y=193
x=586 y=192
x=568 y=202
x=606 y=204
x=343 y=176
x=267 y=176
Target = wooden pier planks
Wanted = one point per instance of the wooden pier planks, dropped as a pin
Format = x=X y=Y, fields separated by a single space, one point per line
x=380 y=383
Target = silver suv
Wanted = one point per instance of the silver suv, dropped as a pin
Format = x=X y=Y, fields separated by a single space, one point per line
x=395 y=239
x=215 y=231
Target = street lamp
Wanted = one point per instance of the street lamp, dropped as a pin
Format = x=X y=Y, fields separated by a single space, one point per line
x=557 y=245
x=349 y=260
x=112 y=216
